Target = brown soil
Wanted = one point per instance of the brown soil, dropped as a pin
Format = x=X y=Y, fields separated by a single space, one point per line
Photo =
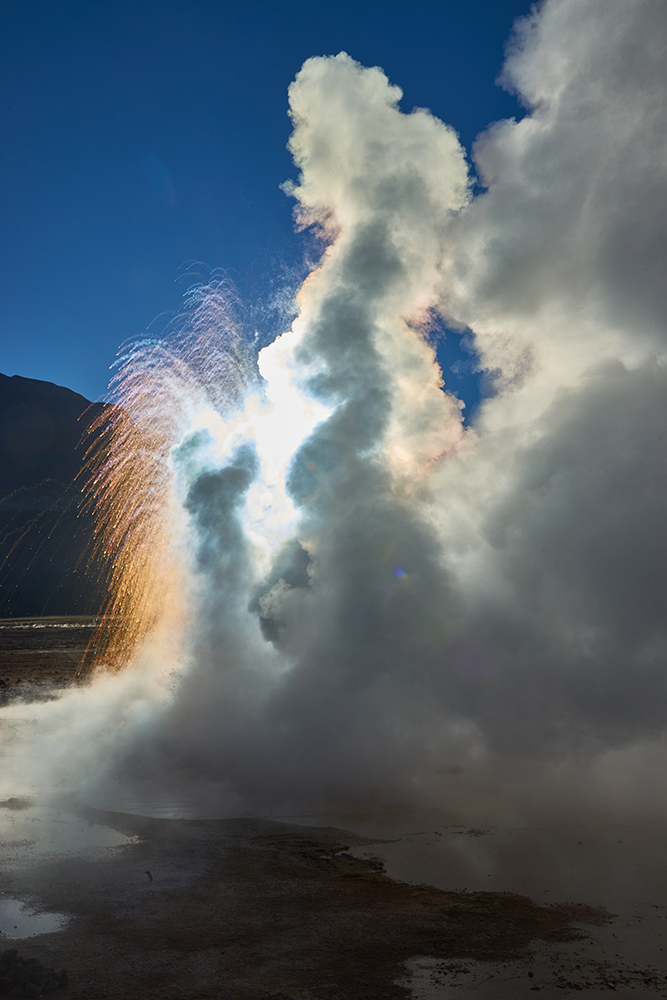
x=36 y=651
x=242 y=909
x=253 y=909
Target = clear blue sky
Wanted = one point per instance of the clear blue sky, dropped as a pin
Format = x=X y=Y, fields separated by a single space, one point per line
x=140 y=136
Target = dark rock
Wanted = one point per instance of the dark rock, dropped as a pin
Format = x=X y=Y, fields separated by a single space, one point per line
x=44 y=534
x=41 y=426
x=16 y=804
x=27 y=977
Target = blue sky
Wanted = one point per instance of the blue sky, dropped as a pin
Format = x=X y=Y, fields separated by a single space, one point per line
x=140 y=137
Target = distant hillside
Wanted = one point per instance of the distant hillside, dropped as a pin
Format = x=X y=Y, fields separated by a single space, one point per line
x=44 y=538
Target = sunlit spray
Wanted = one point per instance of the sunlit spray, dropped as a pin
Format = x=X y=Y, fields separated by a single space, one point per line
x=325 y=591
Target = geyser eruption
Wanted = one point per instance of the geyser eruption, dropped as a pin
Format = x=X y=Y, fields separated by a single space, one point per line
x=165 y=388
x=335 y=594
x=315 y=590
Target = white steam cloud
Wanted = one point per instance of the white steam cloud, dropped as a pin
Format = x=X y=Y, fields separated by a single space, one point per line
x=393 y=609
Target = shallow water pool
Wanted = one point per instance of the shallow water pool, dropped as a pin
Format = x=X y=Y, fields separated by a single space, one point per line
x=19 y=920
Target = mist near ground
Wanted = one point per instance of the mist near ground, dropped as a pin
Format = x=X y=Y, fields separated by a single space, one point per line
x=387 y=608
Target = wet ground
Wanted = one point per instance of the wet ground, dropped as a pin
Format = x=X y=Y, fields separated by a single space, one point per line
x=42 y=652
x=354 y=908
x=19 y=920
x=250 y=909
x=621 y=867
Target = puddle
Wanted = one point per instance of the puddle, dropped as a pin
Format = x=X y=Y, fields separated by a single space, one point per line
x=155 y=808
x=19 y=920
x=620 y=867
x=431 y=979
x=30 y=831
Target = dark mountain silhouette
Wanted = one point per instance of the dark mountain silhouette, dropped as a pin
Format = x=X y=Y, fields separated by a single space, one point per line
x=45 y=557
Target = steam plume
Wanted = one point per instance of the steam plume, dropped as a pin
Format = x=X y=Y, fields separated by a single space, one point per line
x=377 y=605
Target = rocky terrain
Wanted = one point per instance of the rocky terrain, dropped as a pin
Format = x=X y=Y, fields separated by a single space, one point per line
x=45 y=566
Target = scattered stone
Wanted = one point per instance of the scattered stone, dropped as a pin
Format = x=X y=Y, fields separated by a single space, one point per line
x=27 y=977
x=16 y=803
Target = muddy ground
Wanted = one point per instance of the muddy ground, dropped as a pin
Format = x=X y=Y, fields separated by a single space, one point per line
x=245 y=909
x=251 y=909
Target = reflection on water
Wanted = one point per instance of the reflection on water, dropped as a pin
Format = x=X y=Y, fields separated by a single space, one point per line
x=30 y=831
x=620 y=867
x=18 y=920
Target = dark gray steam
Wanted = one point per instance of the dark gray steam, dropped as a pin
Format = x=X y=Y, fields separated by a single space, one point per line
x=467 y=619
